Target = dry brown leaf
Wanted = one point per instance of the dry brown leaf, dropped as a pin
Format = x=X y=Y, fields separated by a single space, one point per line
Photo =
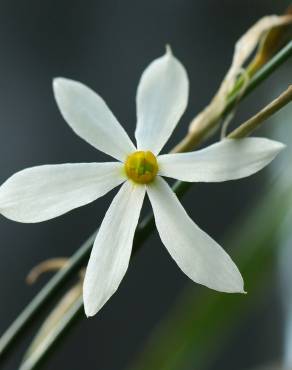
x=271 y=43
x=243 y=50
x=52 y=264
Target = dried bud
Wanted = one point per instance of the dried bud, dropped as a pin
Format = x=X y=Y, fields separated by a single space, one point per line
x=272 y=42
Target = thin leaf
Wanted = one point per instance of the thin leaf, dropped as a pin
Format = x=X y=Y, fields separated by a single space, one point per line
x=52 y=325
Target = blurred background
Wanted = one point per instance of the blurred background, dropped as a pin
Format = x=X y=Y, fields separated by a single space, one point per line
x=107 y=45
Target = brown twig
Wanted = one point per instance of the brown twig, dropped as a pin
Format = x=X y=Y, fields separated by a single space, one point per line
x=255 y=122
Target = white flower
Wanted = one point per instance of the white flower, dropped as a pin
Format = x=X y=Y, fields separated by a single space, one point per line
x=41 y=193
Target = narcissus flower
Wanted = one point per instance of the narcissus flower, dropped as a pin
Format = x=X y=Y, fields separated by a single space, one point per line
x=44 y=192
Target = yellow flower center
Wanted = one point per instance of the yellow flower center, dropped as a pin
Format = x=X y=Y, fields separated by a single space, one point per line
x=141 y=167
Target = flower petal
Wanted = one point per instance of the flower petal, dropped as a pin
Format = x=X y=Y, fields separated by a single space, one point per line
x=90 y=118
x=44 y=192
x=112 y=247
x=162 y=98
x=229 y=159
x=196 y=253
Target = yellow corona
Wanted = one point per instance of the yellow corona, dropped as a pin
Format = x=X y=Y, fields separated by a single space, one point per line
x=141 y=167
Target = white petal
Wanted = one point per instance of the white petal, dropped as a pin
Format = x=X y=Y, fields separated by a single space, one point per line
x=162 y=98
x=44 y=192
x=90 y=118
x=229 y=159
x=196 y=253
x=112 y=248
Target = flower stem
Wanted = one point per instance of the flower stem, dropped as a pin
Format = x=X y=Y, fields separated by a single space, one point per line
x=254 y=122
x=17 y=328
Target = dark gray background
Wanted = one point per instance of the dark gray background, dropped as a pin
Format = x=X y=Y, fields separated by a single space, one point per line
x=107 y=44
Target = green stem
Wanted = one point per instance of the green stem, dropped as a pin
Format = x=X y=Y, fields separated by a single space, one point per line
x=44 y=295
x=281 y=57
x=14 y=332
